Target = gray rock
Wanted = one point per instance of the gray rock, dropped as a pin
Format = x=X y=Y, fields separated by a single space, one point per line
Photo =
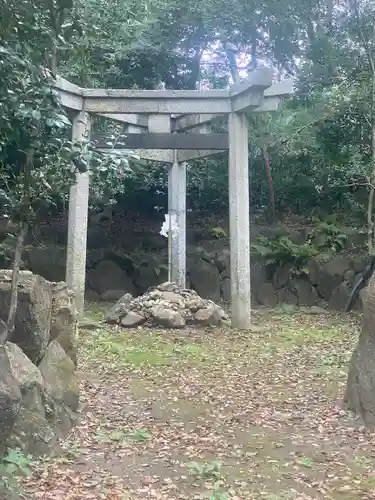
x=258 y=276
x=33 y=434
x=3 y=332
x=172 y=297
x=210 y=316
x=168 y=317
x=287 y=296
x=267 y=295
x=349 y=275
x=33 y=318
x=205 y=280
x=327 y=283
x=226 y=289
x=22 y=368
x=313 y=268
x=359 y=263
x=107 y=275
x=10 y=398
x=91 y=296
x=150 y=274
x=282 y=275
x=33 y=398
x=337 y=266
x=222 y=263
x=306 y=292
x=112 y=295
x=48 y=262
x=64 y=324
x=339 y=297
x=120 y=309
x=60 y=379
x=132 y=319
x=60 y=417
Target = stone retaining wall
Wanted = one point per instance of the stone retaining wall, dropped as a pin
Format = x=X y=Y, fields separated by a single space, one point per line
x=111 y=274
x=130 y=261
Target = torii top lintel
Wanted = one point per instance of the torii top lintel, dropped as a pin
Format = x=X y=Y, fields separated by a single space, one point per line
x=249 y=94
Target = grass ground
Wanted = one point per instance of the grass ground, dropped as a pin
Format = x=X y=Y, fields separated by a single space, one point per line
x=215 y=414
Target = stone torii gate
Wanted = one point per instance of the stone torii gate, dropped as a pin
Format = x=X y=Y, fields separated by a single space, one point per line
x=173 y=126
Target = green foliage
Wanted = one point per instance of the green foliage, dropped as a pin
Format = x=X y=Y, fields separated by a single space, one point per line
x=280 y=249
x=219 y=493
x=218 y=233
x=328 y=236
x=15 y=463
x=138 y=435
x=209 y=470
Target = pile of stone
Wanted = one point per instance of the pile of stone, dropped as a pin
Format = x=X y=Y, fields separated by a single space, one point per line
x=39 y=389
x=168 y=306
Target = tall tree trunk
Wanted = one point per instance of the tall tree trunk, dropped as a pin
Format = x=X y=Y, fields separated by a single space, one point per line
x=271 y=189
x=11 y=321
x=23 y=227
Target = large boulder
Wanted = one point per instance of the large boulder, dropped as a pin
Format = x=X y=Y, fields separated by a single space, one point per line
x=33 y=318
x=225 y=288
x=23 y=369
x=38 y=403
x=10 y=398
x=112 y=295
x=267 y=295
x=287 y=296
x=339 y=297
x=48 y=262
x=306 y=293
x=282 y=275
x=360 y=389
x=222 y=263
x=64 y=326
x=60 y=379
x=119 y=310
x=258 y=276
x=33 y=434
x=108 y=275
x=205 y=279
x=331 y=275
x=150 y=274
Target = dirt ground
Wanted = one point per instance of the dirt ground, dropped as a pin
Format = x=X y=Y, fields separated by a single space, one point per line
x=215 y=414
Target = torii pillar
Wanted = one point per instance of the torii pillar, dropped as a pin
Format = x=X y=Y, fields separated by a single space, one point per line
x=78 y=217
x=239 y=220
x=176 y=202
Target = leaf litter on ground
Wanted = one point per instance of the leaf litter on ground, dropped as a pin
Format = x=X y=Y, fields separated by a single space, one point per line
x=257 y=413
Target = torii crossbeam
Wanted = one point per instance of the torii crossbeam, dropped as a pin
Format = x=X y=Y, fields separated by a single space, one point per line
x=174 y=127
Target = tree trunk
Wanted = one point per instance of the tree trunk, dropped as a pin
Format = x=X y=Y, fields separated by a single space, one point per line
x=271 y=189
x=15 y=279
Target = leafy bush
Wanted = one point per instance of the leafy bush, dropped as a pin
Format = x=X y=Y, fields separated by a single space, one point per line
x=281 y=249
x=15 y=463
x=328 y=236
